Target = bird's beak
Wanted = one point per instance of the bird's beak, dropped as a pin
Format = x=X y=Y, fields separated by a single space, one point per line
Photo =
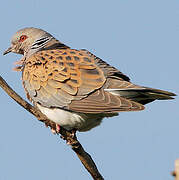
x=7 y=51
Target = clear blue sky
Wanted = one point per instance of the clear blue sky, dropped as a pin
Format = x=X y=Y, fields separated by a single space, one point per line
x=139 y=37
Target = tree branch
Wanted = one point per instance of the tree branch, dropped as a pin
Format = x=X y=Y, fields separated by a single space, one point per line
x=84 y=157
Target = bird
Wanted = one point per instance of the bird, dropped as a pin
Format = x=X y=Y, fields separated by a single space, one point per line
x=74 y=88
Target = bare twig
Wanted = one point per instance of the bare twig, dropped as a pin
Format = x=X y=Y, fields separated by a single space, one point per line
x=84 y=157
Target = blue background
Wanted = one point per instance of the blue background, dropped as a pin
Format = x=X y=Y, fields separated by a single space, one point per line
x=141 y=39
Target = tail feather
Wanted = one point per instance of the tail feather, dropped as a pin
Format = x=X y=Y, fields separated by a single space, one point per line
x=161 y=94
x=142 y=95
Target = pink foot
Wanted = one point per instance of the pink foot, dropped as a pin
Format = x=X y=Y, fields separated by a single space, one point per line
x=57 y=130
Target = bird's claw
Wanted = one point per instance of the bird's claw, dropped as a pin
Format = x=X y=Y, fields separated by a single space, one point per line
x=55 y=130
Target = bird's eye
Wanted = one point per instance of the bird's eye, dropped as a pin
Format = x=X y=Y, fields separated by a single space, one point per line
x=22 y=38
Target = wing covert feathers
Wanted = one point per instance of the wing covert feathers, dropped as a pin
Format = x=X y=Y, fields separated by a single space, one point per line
x=104 y=102
x=60 y=75
x=79 y=81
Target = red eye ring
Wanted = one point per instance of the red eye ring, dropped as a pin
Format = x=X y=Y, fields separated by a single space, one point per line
x=22 y=38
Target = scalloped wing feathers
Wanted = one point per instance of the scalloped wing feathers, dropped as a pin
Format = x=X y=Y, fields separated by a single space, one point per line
x=72 y=80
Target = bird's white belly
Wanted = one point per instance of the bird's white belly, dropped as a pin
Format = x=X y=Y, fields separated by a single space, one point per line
x=70 y=120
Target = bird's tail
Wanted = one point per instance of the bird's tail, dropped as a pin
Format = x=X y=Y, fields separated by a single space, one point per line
x=143 y=95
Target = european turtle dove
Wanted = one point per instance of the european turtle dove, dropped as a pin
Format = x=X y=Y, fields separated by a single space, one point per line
x=74 y=88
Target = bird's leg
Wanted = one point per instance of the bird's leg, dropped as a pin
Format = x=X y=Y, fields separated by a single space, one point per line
x=55 y=130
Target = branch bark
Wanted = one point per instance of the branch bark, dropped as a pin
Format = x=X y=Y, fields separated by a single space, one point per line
x=84 y=157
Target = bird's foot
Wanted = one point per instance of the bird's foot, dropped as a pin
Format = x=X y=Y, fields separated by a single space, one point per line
x=55 y=130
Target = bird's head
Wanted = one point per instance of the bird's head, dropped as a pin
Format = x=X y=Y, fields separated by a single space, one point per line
x=28 y=39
